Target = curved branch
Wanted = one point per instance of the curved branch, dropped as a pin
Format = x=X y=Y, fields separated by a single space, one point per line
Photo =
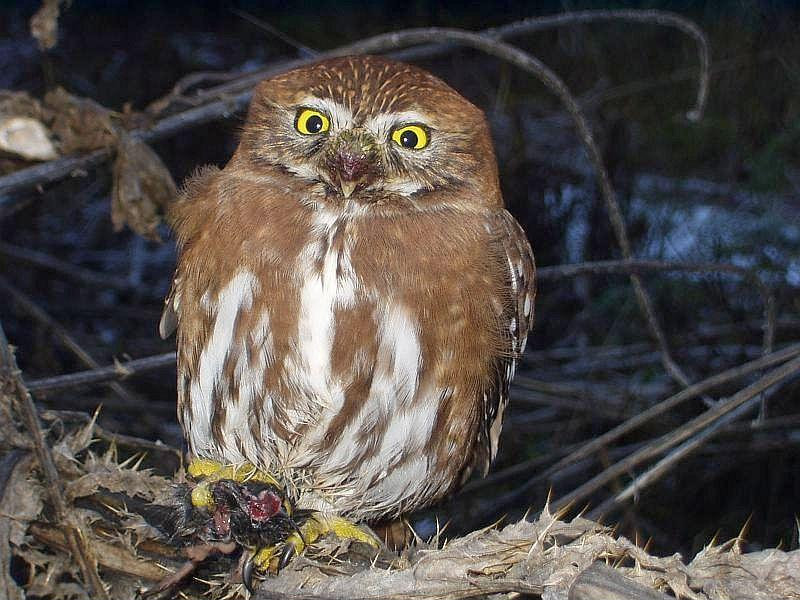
x=657 y=17
x=553 y=82
x=642 y=266
x=223 y=100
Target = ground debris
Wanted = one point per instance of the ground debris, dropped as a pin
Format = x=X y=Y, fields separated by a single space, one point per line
x=545 y=556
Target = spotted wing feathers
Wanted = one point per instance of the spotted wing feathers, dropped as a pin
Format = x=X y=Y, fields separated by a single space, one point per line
x=515 y=320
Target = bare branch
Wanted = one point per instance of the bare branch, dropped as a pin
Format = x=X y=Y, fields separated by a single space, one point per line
x=118 y=370
x=643 y=266
x=675 y=437
x=60 y=332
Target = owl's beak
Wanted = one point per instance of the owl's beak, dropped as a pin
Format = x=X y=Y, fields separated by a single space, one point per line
x=347 y=187
x=351 y=164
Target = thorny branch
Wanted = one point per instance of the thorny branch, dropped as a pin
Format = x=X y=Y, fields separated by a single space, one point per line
x=541 y=557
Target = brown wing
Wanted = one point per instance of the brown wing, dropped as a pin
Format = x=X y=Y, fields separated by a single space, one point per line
x=192 y=190
x=516 y=319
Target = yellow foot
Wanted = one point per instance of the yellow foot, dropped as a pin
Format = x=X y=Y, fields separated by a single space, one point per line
x=274 y=558
x=210 y=471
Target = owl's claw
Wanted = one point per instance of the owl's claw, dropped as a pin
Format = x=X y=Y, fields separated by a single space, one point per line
x=287 y=555
x=243 y=502
x=247 y=573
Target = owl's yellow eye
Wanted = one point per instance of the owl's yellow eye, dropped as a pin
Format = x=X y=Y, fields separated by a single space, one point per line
x=412 y=137
x=311 y=122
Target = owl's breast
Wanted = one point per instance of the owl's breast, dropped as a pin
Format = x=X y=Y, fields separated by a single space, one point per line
x=344 y=367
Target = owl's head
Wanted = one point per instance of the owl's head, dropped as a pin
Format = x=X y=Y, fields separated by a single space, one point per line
x=370 y=129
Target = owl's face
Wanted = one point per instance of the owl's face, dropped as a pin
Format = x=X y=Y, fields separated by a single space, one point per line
x=369 y=130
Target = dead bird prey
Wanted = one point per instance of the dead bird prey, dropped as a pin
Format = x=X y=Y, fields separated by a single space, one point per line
x=243 y=515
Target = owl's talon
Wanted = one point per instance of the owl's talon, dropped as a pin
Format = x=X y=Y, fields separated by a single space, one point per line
x=321 y=524
x=247 y=573
x=263 y=559
x=287 y=555
x=275 y=558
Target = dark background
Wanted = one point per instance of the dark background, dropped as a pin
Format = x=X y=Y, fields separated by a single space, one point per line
x=724 y=189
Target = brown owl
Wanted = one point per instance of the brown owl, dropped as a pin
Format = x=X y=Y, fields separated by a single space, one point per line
x=351 y=297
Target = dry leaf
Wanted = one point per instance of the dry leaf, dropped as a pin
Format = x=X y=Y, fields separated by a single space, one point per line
x=142 y=188
x=22 y=500
x=20 y=104
x=79 y=124
x=27 y=138
x=44 y=24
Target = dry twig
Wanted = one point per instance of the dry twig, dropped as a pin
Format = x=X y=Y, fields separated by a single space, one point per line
x=118 y=370
x=63 y=336
x=73 y=531
x=705 y=420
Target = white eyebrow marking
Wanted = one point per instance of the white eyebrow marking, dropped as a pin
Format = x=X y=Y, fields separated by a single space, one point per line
x=341 y=116
x=380 y=125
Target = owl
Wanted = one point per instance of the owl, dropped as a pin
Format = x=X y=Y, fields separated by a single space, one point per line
x=351 y=298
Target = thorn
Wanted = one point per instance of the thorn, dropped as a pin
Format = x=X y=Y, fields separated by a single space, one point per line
x=127 y=462
x=742 y=533
x=138 y=463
